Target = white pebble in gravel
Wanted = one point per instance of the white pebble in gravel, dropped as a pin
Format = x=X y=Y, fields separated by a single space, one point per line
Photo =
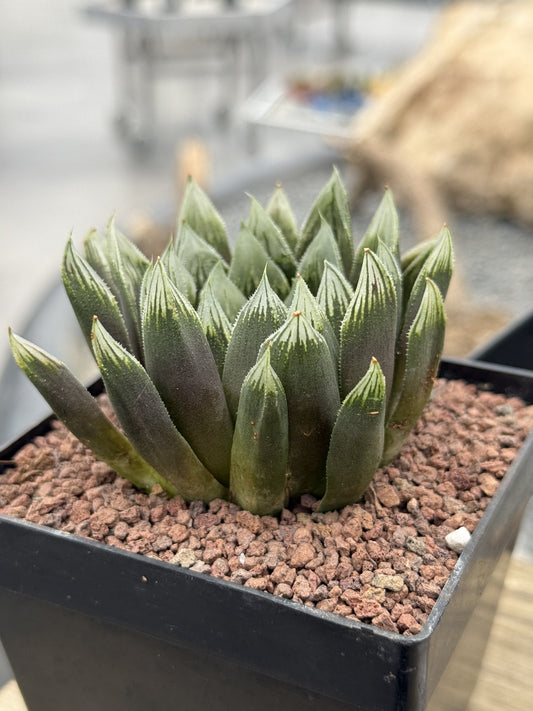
x=457 y=540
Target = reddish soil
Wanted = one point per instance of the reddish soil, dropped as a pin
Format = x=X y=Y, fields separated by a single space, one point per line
x=382 y=561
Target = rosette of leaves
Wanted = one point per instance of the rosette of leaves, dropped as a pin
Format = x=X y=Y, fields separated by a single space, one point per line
x=295 y=363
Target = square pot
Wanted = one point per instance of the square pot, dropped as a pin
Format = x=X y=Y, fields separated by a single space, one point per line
x=512 y=346
x=87 y=626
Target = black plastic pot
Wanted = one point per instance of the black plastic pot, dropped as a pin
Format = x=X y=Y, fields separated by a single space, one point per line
x=87 y=626
x=512 y=346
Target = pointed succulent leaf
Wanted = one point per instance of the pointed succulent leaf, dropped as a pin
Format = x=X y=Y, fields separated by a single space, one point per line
x=178 y=273
x=418 y=252
x=146 y=422
x=248 y=265
x=196 y=255
x=279 y=209
x=391 y=265
x=301 y=358
x=228 y=295
x=96 y=250
x=288 y=300
x=323 y=247
x=334 y=295
x=413 y=266
x=132 y=258
x=263 y=314
x=128 y=266
x=182 y=368
x=424 y=349
x=434 y=263
x=332 y=203
x=383 y=226
x=369 y=326
x=305 y=302
x=270 y=236
x=79 y=411
x=385 y=223
x=198 y=211
x=369 y=241
x=438 y=267
x=90 y=296
x=259 y=455
x=216 y=326
x=356 y=442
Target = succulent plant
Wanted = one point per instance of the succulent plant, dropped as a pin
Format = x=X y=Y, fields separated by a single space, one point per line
x=298 y=364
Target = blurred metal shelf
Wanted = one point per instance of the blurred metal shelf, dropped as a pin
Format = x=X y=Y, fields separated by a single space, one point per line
x=235 y=41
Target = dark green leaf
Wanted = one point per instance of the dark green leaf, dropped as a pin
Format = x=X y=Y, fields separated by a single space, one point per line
x=280 y=211
x=178 y=274
x=424 y=349
x=259 y=455
x=90 y=296
x=369 y=242
x=332 y=204
x=263 y=314
x=249 y=261
x=369 y=327
x=128 y=266
x=146 y=422
x=305 y=302
x=96 y=248
x=395 y=272
x=198 y=211
x=385 y=224
x=216 y=326
x=228 y=295
x=384 y=227
x=334 y=295
x=196 y=255
x=270 y=236
x=81 y=414
x=356 y=441
x=181 y=366
x=434 y=262
x=438 y=267
x=418 y=252
x=323 y=247
x=301 y=358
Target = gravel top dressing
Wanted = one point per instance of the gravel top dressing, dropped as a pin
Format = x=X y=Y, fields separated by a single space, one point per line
x=383 y=561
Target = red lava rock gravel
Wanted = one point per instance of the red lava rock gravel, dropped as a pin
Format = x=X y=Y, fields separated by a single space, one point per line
x=382 y=561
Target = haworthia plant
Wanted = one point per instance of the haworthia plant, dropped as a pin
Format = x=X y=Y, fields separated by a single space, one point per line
x=298 y=364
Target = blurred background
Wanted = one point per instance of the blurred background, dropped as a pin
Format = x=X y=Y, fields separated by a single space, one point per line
x=105 y=108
